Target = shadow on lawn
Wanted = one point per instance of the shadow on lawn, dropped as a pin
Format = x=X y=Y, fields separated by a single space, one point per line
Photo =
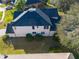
x=32 y=47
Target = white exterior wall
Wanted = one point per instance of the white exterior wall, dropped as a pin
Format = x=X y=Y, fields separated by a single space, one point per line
x=11 y=35
x=21 y=31
x=52 y=33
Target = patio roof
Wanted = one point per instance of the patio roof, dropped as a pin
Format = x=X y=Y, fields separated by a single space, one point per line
x=42 y=56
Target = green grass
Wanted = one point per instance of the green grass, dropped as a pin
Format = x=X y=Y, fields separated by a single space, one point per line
x=21 y=46
x=3 y=5
x=5 y=49
x=0 y=15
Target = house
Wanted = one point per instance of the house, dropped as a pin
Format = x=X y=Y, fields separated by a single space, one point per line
x=40 y=56
x=0 y=1
x=33 y=21
x=7 y=1
x=31 y=3
x=35 y=3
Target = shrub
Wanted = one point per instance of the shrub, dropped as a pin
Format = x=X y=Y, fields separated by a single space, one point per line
x=56 y=37
x=29 y=37
x=38 y=37
x=5 y=38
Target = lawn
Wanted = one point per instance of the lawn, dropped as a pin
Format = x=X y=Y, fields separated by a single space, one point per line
x=0 y=15
x=22 y=46
x=5 y=49
x=32 y=47
x=3 y=5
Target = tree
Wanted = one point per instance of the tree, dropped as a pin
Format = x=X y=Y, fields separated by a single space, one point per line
x=20 y=5
x=6 y=38
x=68 y=29
x=62 y=5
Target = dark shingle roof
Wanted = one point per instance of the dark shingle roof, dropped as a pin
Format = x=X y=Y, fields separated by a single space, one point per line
x=30 y=19
x=32 y=1
x=16 y=14
x=0 y=1
x=51 y=12
x=12 y=0
x=9 y=29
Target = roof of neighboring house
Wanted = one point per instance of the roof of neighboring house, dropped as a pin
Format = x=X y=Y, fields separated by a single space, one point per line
x=13 y=1
x=41 y=56
x=33 y=1
x=0 y=1
x=36 y=17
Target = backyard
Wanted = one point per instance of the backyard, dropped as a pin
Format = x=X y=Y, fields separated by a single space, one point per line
x=22 y=46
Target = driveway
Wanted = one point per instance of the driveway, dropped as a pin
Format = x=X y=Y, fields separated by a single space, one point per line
x=2 y=32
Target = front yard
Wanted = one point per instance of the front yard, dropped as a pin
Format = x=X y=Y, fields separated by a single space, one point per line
x=5 y=49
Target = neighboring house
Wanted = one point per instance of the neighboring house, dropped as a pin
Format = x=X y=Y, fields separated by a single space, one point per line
x=35 y=3
x=7 y=1
x=40 y=56
x=33 y=21
x=30 y=3
x=0 y=1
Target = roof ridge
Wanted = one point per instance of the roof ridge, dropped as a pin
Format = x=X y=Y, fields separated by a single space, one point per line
x=44 y=16
x=18 y=17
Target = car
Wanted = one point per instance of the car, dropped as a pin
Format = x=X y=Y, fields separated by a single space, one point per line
x=9 y=7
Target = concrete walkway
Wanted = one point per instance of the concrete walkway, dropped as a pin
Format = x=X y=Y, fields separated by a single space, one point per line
x=2 y=32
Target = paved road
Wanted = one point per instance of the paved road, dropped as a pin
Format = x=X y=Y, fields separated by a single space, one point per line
x=2 y=32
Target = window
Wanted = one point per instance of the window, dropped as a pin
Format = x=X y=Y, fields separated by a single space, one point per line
x=33 y=27
x=55 y=17
x=42 y=32
x=34 y=32
x=46 y=27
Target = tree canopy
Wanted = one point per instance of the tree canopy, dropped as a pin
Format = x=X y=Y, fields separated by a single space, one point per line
x=69 y=33
x=20 y=5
